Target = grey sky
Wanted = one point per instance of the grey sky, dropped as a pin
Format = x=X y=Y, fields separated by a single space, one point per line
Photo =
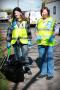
x=23 y=4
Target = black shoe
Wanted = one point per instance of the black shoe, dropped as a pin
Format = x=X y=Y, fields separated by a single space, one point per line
x=41 y=76
x=29 y=72
x=26 y=69
x=49 y=77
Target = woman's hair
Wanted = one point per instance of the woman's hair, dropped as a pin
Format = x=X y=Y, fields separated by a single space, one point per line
x=46 y=9
x=15 y=9
x=19 y=10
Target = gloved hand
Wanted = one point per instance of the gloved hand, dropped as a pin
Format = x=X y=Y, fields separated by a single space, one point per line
x=14 y=24
x=38 y=38
x=29 y=43
x=51 y=38
x=8 y=45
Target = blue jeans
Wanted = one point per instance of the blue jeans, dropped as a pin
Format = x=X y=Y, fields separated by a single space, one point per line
x=46 y=60
x=21 y=50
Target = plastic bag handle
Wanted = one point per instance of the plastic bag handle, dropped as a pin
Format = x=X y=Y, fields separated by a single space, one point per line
x=9 y=51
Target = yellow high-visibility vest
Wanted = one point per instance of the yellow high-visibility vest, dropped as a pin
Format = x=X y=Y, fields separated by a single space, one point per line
x=45 y=28
x=21 y=33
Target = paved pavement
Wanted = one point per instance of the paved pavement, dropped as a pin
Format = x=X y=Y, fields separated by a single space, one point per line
x=32 y=82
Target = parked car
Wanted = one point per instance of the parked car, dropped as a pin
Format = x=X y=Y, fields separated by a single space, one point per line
x=3 y=16
x=34 y=16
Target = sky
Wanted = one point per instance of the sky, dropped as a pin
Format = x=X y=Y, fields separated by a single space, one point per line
x=30 y=4
x=25 y=5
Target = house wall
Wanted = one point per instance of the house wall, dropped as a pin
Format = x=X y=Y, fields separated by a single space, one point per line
x=50 y=6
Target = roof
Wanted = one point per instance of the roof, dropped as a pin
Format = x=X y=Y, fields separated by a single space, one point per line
x=49 y=1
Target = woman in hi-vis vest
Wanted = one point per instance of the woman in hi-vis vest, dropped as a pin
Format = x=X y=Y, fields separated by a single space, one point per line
x=17 y=36
x=46 y=30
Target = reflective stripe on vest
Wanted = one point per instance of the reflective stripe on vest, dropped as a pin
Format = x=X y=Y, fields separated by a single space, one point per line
x=45 y=29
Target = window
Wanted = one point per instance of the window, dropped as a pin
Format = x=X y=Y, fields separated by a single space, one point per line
x=54 y=10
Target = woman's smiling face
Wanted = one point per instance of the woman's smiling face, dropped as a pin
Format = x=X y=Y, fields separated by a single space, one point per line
x=17 y=14
x=44 y=14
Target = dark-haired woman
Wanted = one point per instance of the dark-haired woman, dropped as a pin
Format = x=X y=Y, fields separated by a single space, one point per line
x=47 y=29
x=17 y=36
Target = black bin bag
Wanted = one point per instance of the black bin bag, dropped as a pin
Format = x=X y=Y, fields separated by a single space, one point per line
x=13 y=69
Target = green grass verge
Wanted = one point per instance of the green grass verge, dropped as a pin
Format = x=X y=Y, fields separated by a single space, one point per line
x=3 y=81
x=3 y=84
